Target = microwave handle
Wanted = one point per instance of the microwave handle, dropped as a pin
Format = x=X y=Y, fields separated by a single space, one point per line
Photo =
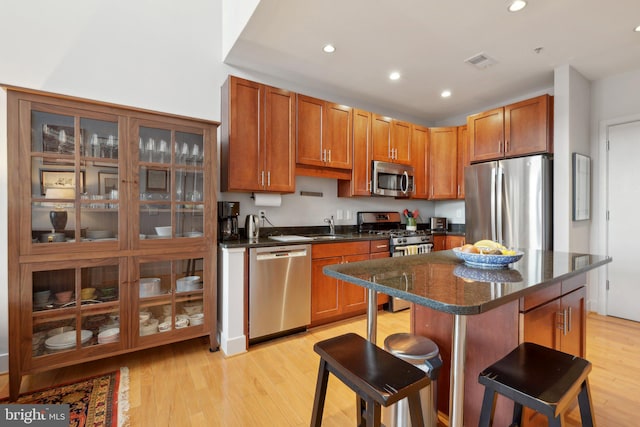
x=405 y=182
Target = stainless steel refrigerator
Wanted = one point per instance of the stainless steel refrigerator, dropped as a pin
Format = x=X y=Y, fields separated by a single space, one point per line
x=510 y=201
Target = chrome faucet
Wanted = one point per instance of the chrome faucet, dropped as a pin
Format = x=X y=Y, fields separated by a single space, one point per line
x=332 y=227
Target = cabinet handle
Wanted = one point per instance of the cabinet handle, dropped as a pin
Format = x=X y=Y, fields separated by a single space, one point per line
x=569 y=315
x=262 y=179
x=269 y=179
x=506 y=145
x=395 y=154
x=458 y=190
x=380 y=246
x=391 y=153
x=329 y=156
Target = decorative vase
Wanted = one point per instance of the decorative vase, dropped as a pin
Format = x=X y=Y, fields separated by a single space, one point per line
x=412 y=224
x=58 y=220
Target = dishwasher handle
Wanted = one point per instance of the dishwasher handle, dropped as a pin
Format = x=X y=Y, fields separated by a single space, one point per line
x=281 y=254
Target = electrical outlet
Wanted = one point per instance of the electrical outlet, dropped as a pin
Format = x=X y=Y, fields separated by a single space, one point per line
x=262 y=214
x=339 y=214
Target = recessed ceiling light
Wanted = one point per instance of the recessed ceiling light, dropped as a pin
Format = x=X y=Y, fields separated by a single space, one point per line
x=394 y=75
x=637 y=29
x=445 y=93
x=516 y=5
x=329 y=48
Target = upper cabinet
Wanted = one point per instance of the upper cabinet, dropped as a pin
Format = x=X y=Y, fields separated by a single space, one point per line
x=257 y=137
x=420 y=157
x=518 y=129
x=324 y=133
x=463 y=157
x=360 y=182
x=443 y=162
x=391 y=140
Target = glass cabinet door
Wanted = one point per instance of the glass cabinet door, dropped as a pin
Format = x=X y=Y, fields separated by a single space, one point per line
x=171 y=183
x=74 y=177
x=75 y=307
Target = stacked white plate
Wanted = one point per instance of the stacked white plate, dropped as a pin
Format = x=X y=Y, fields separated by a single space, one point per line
x=149 y=286
x=109 y=335
x=188 y=283
x=67 y=340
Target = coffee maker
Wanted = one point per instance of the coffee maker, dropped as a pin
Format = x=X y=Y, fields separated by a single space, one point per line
x=228 y=220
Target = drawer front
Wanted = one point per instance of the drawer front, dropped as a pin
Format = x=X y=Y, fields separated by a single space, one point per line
x=325 y=250
x=574 y=283
x=379 y=246
x=540 y=297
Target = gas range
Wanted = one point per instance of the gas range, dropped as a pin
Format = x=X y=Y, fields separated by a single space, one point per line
x=388 y=224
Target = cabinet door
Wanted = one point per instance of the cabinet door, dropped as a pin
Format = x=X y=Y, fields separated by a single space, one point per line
x=279 y=143
x=325 y=290
x=439 y=242
x=310 y=123
x=463 y=157
x=337 y=134
x=454 y=241
x=527 y=127
x=443 y=159
x=572 y=339
x=381 y=138
x=354 y=297
x=542 y=324
x=243 y=144
x=360 y=183
x=401 y=142
x=486 y=135
x=420 y=160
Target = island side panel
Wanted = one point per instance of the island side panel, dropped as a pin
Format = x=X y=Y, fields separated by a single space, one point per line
x=490 y=336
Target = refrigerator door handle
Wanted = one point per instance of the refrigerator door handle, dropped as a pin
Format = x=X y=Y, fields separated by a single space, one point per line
x=500 y=176
x=493 y=203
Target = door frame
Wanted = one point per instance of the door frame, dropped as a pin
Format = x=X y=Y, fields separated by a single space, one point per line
x=600 y=207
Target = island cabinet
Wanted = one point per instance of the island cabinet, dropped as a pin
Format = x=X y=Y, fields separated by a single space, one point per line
x=463 y=157
x=114 y=219
x=359 y=183
x=257 y=137
x=553 y=316
x=420 y=160
x=323 y=133
x=443 y=163
x=391 y=140
x=333 y=299
x=518 y=129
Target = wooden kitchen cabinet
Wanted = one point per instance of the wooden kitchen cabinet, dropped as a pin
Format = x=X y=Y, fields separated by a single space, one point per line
x=514 y=130
x=439 y=242
x=420 y=160
x=454 y=241
x=118 y=174
x=391 y=140
x=323 y=133
x=542 y=317
x=257 y=137
x=443 y=163
x=360 y=182
x=463 y=157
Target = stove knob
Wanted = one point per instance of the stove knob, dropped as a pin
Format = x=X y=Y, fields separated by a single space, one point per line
x=402 y=240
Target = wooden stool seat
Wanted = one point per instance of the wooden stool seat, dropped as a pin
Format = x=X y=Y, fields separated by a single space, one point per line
x=376 y=376
x=540 y=378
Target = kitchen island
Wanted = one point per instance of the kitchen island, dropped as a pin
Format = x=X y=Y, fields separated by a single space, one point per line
x=442 y=283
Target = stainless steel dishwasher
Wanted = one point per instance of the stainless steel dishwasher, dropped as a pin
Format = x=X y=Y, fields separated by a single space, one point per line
x=279 y=290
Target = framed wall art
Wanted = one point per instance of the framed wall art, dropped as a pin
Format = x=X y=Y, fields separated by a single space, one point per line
x=157 y=180
x=60 y=179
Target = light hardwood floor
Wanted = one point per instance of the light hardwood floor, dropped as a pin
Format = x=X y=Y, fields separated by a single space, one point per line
x=273 y=384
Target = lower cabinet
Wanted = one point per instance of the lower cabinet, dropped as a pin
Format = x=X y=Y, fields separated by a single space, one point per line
x=439 y=242
x=333 y=299
x=554 y=317
x=454 y=241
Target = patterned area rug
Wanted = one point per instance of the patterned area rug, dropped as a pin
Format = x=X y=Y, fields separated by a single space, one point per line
x=96 y=401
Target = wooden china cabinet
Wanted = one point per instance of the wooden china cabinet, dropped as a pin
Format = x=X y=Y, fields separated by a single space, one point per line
x=113 y=230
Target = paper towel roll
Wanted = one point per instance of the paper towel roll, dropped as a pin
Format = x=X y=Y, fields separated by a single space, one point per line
x=267 y=199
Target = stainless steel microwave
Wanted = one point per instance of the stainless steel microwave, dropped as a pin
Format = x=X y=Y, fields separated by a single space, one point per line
x=391 y=179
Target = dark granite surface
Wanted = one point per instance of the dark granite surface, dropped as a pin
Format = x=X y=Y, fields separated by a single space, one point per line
x=441 y=281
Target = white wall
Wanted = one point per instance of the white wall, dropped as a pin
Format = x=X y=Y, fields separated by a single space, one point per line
x=235 y=15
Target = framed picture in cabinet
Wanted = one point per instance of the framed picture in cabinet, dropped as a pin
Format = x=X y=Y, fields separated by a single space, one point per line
x=58 y=139
x=108 y=181
x=157 y=180
x=56 y=179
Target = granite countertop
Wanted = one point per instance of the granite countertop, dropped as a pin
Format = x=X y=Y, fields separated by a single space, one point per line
x=440 y=280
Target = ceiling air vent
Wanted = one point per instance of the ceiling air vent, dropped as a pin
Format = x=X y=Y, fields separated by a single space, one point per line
x=481 y=61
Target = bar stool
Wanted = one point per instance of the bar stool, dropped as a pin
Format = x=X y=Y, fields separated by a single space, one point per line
x=376 y=376
x=540 y=378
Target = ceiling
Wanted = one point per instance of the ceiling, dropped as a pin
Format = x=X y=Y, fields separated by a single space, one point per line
x=427 y=41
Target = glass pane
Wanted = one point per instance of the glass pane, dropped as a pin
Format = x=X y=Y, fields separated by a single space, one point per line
x=190 y=313
x=54 y=336
x=155 y=317
x=189 y=148
x=155 y=145
x=52 y=223
x=60 y=284
x=190 y=222
x=105 y=328
x=52 y=133
x=189 y=187
x=99 y=138
x=99 y=283
x=99 y=219
x=155 y=279
x=189 y=274
x=155 y=221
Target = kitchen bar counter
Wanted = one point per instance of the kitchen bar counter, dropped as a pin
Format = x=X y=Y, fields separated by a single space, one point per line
x=442 y=282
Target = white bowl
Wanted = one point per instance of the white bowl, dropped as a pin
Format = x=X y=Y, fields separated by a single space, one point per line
x=164 y=326
x=149 y=286
x=191 y=309
x=149 y=327
x=99 y=234
x=196 y=319
x=188 y=283
x=182 y=323
x=144 y=316
x=164 y=231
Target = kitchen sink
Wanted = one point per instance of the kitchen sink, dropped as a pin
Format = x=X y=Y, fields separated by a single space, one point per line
x=326 y=236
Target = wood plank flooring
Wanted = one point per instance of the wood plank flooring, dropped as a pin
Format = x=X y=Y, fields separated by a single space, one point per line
x=273 y=384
